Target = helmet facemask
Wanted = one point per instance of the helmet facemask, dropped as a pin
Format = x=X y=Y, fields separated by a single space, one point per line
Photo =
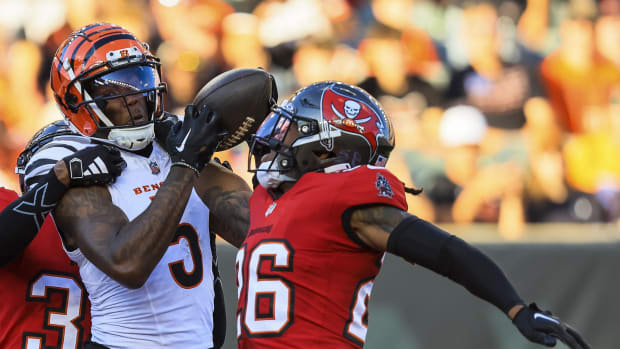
x=299 y=145
x=123 y=101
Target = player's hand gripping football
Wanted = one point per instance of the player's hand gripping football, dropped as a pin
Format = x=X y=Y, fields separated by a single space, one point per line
x=224 y=164
x=191 y=143
x=163 y=125
x=96 y=165
x=541 y=327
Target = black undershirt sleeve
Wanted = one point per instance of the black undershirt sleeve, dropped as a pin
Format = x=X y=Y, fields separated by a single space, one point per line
x=423 y=243
x=21 y=220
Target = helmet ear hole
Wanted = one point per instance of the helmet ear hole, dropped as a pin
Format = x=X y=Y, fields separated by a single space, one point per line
x=322 y=155
x=285 y=163
x=71 y=100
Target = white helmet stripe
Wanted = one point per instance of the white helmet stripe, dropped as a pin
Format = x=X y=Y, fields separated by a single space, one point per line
x=87 y=97
x=97 y=111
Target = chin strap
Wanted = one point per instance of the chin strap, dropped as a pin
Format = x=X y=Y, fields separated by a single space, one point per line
x=134 y=138
x=269 y=176
x=336 y=168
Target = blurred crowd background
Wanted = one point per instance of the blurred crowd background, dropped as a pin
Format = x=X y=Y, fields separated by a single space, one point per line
x=504 y=111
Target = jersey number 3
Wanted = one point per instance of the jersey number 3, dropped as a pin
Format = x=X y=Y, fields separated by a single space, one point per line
x=65 y=319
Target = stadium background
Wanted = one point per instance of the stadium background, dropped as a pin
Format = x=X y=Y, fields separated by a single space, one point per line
x=542 y=196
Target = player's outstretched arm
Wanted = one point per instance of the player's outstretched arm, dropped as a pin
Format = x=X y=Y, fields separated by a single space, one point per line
x=227 y=195
x=128 y=251
x=390 y=229
x=22 y=219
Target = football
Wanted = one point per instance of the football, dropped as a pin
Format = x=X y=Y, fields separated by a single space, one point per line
x=242 y=98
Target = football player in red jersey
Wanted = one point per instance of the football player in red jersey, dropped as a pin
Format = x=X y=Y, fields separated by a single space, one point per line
x=45 y=304
x=324 y=214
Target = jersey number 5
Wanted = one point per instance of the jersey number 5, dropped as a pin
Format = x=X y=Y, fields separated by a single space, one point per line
x=64 y=319
x=269 y=305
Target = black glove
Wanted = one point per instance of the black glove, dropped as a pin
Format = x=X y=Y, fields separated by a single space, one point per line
x=96 y=165
x=225 y=163
x=541 y=327
x=163 y=125
x=192 y=142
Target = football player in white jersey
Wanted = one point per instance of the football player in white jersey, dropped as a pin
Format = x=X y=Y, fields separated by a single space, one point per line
x=142 y=243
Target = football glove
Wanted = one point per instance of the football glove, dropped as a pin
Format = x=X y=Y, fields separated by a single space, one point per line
x=96 y=165
x=542 y=327
x=163 y=126
x=225 y=163
x=191 y=143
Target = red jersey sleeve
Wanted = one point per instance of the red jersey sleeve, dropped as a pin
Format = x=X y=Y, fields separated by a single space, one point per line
x=6 y=197
x=366 y=186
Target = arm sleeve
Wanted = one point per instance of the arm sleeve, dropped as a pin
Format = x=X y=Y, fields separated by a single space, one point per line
x=22 y=219
x=425 y=244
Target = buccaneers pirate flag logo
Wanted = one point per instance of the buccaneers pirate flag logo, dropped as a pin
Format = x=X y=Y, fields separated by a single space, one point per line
x=352 y=115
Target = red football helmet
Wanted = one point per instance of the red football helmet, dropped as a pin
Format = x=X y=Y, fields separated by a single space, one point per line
x=108 y=85
x=337 y=125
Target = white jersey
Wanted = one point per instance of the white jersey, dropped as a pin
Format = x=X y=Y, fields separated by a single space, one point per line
x=174 y=308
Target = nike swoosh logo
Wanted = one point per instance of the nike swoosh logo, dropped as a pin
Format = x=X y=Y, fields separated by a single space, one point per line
x=182 y=146
x=539 y=315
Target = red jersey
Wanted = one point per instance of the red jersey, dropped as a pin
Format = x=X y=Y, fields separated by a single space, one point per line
x=303 y=281
x=43 y=301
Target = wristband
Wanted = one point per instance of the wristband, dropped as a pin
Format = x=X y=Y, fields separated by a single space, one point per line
x=181 y=163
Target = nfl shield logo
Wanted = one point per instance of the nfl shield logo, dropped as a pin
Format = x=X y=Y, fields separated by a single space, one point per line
x=154 y=167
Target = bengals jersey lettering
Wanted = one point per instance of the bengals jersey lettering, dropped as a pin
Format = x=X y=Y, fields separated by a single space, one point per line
x=303 y=281
x=44 y=304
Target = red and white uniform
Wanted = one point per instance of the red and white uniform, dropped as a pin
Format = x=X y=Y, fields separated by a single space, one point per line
x=43 y=301
x=303 y=281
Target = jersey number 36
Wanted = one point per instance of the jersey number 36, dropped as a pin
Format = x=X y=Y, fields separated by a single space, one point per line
x=270 y=303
